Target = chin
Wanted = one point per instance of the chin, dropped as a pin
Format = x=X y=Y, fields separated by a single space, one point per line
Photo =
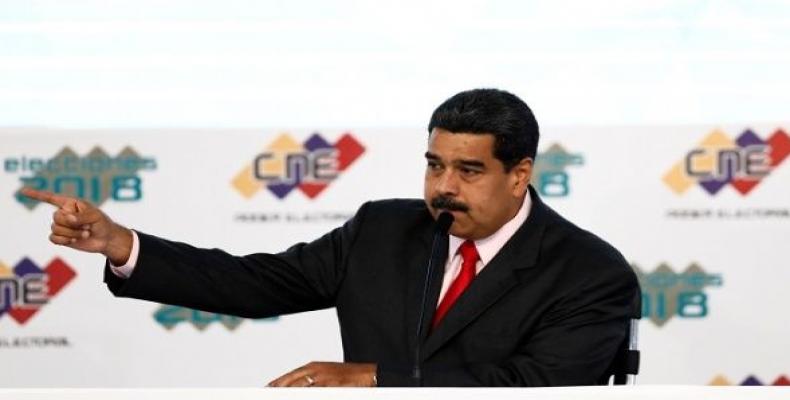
x=455 y=231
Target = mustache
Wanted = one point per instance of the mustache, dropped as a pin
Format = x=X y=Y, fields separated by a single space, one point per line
x=446 y=203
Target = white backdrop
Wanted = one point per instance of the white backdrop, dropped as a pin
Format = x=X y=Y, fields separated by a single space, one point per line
x=616 y=189
x=198 y=88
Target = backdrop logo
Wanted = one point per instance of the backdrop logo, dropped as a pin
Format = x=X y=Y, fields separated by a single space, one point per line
x=286 y=165
x=549 y=173
x=751 y=380
x=26 y=288
x=95 y=177
x=667 y=294
x=718 y=161
x=169 y=316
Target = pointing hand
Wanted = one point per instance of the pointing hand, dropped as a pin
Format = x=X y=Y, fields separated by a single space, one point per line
x=81 y=226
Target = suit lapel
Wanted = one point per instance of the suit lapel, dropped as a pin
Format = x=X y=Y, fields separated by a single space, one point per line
x=496 y=279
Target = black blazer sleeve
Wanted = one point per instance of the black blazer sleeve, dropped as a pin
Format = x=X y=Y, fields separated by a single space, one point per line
x=303 y=278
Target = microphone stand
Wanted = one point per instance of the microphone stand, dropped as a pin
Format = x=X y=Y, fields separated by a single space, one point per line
x=443 y=223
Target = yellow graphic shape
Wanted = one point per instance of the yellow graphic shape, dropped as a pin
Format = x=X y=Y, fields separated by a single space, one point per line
x=246 y=184
x=677 y=179
x=720 y=380
x=5 y=271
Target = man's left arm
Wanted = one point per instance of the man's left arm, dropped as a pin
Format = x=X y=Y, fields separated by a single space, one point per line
x=574 y=345
x=329 y=374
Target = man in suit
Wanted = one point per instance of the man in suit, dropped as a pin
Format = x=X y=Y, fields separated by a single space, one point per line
x=521 y=297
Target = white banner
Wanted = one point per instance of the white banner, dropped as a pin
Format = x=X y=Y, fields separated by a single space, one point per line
x=702 y=212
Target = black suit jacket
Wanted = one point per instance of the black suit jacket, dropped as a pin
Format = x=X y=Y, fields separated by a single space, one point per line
x=549 y=309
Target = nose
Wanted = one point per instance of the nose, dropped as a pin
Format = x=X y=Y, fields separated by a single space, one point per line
x=447 y=184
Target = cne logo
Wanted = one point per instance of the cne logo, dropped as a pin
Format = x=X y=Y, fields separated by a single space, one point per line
x=169 y=316
x=549 y=172
x=751 y=380
x=667 y=294
x=309 y=166
x=95 y=177
x=719 y=161
x=27 y=288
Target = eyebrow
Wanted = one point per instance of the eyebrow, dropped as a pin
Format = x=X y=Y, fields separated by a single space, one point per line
x=472 y=163
x=465 y=163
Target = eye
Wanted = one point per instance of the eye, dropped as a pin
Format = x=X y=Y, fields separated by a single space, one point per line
x=434 y=165
x=469 y=172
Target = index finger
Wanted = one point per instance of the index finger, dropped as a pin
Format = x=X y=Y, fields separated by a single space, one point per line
x=47 y=197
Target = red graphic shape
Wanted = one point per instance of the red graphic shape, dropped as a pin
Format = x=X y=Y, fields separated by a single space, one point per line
x=780 y=147
x=744 y=186
x=781 y=381
x=58 y=275
x=312 y=190
x=349 y=149
x=21 y=315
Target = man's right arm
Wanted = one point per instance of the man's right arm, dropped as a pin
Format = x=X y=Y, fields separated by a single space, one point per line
x=305 y=277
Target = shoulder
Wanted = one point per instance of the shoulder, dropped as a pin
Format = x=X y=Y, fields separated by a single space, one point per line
x=395 y=208
x=584 y=252
x=393 y=213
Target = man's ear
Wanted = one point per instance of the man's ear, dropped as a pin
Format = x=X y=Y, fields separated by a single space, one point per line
x=521 y=175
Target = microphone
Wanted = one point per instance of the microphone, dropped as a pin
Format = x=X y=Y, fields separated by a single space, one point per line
x=443 y=223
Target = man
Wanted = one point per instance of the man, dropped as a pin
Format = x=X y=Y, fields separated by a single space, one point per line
x=521 y=297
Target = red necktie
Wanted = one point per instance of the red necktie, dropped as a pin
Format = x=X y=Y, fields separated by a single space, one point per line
x=462 y=281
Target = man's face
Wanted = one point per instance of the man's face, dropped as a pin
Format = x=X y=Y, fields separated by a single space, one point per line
x=464 y=178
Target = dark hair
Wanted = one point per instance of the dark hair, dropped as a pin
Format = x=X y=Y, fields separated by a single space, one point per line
x=495 y=112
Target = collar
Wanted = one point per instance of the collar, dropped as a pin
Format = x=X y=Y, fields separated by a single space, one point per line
x=488 y=247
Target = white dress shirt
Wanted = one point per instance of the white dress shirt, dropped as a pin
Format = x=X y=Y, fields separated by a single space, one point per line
x=125 y=271
x=487 y=247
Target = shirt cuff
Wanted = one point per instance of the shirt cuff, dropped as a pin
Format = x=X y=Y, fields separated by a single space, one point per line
x=125 y=271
